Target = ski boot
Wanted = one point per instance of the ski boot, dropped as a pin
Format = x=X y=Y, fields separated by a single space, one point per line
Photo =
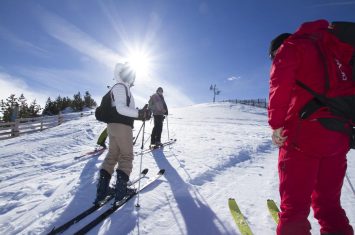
x=121 y=185
x=158 y=144
x=103 y=188
x=152 y=146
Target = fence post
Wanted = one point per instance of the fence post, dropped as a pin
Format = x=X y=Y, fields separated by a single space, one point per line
x=60 y=118
x=15 y=128
x=42 y=118
x=265 y=103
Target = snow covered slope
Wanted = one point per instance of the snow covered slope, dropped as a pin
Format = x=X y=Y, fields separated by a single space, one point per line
x=223 y=150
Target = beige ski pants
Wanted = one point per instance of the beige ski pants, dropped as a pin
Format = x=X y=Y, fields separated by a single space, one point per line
x=120 y=148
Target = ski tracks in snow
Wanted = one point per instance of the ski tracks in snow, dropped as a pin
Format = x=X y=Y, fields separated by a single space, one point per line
x=39 y=174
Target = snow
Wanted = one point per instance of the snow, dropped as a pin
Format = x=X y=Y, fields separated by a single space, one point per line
x=223 y=150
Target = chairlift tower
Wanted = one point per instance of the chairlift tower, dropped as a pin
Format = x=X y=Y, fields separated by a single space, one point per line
x=215 y=90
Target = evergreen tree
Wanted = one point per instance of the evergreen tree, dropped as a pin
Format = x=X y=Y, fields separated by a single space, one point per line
x=51 y=108
x=66 y=102
x=59 y=103
x=34 y=108
x=47 y=106
x=89 y=102
x=2 y=109
x=24 y=111
x=7 y=107
x=77 y=103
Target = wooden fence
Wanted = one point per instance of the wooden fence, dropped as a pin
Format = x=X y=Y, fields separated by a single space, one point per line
x=30 y=125
x=262 y=103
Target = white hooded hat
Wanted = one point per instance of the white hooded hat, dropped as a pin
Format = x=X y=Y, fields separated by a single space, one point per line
x=123 y=73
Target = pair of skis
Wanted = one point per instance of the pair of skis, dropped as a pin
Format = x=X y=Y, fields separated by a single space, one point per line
x=109 y=211
x=170 y=142
x=240 y=220
x=96 y=152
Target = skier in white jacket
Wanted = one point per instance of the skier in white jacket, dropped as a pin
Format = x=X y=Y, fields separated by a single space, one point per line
x=120 y=134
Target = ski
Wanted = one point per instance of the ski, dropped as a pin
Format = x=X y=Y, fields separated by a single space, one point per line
x=95 y=152
x=273 y=209
x=141 y=176
x=170 y=142
x=93 y=208
x=116 y=206
x=239 y=217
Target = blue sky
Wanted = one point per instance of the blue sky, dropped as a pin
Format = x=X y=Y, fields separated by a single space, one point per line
x=60 y=47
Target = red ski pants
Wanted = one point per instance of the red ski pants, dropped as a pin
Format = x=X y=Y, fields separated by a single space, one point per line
x=306 y=181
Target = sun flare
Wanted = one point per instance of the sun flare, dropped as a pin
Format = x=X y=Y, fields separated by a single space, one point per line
x=140 y=63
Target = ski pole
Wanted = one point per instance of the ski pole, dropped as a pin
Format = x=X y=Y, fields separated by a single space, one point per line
x=135 y=140
x=351 y=186
x=147 y=140
x=140 y=167
x=167 y=126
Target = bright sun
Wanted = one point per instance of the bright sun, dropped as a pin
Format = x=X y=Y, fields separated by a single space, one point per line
x=141 y=63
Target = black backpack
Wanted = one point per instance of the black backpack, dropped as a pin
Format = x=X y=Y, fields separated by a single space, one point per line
x=345 y=31
x=105 y=112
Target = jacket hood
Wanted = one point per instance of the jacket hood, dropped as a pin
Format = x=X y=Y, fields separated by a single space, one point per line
x=124 y=74
x=117 y=71
x=313 y=27
x=320 y=30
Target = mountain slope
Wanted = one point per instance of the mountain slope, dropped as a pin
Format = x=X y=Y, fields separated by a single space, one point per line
x=223 y=150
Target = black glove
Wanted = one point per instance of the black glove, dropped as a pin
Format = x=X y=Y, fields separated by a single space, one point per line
x=144 y=113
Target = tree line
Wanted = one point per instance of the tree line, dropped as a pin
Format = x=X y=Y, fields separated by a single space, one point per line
x=52 y=106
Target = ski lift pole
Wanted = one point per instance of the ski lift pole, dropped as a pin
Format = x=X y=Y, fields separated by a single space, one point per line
x=140 y=165
x=351 y=186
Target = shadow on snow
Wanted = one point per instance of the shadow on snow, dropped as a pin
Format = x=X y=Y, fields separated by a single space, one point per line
x=197 y=215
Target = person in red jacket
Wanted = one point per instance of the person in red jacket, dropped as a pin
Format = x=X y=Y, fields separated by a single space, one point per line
x=312 y=159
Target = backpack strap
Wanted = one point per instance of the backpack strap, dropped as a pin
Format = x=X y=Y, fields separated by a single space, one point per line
x=128 y=98
x=315 y=40
x=319 y=100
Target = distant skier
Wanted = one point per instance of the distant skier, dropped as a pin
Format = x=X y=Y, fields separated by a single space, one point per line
x=312 y=158
x=120 y=134
x=159 y=108
x=101 y=141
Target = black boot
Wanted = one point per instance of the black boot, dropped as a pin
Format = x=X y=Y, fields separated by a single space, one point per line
x=121 y=185
x=102 y=186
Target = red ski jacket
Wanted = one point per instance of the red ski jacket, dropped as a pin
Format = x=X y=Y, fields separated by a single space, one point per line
x=299 y=58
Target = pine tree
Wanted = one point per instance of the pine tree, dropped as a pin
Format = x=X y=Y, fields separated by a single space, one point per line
x=24 y=112
x=2 y=109
x=66 y=102
x=47 y=106
x=51 y=108
x=34 y=108
x=89 y=102
x=59 y=103
x=8 y=107
x=77 y=103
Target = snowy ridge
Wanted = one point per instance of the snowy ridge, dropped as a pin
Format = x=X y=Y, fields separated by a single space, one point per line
x=223 y=150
